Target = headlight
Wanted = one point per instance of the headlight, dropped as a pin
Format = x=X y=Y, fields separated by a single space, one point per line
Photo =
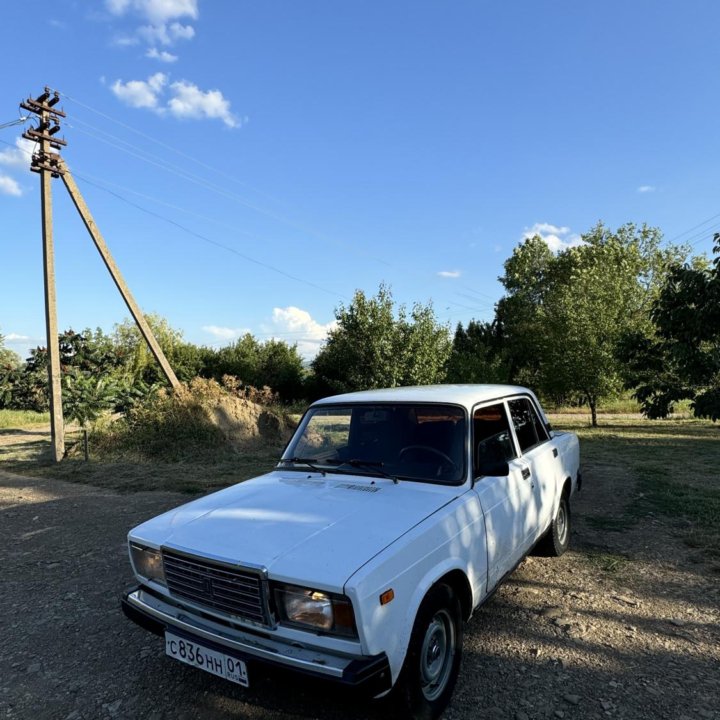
x=147 y=563
x=315 y=610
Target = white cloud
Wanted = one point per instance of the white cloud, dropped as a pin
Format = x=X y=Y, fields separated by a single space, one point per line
x=19 y=156
x=156 y=11
x=186 y=100
x=181 y=32
x=161 y=55
x=225 y=333
x=189 y=101
x=449 y=273
x=8 y=186
x=161 y=18
x=646 y=189
x=557 y=237
x=141 y=93
x=166 y=34
x=297 y=326
x=14 y=337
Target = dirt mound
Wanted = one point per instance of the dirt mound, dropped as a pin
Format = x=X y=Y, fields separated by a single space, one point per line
x=244 y=422
x=244 y=415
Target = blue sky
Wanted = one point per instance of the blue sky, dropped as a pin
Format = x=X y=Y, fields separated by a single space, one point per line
x=225 y=146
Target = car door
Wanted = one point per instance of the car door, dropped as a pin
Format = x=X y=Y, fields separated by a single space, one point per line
x=540 y=457
x=505 y=494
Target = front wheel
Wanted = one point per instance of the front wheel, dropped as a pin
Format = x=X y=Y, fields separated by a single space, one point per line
x=432 y=662
x=557 y=539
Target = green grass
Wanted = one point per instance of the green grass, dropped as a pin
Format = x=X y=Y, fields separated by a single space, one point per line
x=674 y=463
x=607 y=562
x=618 y=406
x=22 y=418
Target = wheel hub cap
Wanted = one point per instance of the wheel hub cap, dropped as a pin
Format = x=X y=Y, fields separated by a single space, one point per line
x=436 y=659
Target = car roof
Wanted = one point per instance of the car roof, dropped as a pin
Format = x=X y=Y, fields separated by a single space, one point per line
x=465 y=395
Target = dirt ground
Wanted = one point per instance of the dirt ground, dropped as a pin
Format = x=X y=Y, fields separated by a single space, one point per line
x=625 y=625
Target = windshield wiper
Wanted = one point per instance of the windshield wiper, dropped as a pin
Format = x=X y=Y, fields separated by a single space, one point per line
x=372 y=465
x=310 y=462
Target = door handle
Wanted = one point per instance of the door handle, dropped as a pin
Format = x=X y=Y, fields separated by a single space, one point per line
x=554 y=452
x=525 y=473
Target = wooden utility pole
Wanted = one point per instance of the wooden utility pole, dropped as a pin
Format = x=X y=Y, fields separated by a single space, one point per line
x=50 y=165
x=43 y=106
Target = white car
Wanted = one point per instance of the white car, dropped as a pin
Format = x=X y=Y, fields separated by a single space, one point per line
x=392 y=515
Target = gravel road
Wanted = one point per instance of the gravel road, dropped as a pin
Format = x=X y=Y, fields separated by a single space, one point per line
x=589 y=635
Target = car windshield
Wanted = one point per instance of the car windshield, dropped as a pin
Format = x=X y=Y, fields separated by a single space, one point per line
x=405 y=441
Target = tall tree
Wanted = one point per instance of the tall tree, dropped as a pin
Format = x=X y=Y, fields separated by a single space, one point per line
x=681 y=360
x=565 y=315
x=526 y=280
x=478 y=355
x=377 y=345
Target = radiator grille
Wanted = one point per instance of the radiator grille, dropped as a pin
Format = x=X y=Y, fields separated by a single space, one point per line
x=235 y=591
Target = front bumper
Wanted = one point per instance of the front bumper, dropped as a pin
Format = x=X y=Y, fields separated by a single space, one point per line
x=369 y=674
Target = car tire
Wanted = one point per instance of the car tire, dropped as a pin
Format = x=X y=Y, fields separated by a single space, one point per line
x=432 y=663
x=557 y=538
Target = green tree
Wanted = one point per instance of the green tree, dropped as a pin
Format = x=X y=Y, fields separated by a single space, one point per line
x=280 y=367
x=10 y=364
x=8 y=358
x=240 y=359
x=87 y=395
x=138 y=361
x=478 y=355
x=565 y=316
x=526 y=280
x=681 y=360
x=274 y=363
x=378 y=345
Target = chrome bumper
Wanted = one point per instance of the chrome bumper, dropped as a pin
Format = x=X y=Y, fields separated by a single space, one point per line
x=155 y=614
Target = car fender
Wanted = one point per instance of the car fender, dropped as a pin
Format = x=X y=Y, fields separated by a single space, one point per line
x=452 y=539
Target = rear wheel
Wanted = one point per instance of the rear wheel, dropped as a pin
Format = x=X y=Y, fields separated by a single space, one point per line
x=432 y=663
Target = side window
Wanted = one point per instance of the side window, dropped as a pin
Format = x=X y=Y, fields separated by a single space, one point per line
x=528 y=426
x=492 y=439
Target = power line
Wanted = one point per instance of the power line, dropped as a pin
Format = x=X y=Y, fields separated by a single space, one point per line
x=694 y=227
x=10 y=123
x=208 y=240
x=192 y=177
x=152 y=139
x=204 y=238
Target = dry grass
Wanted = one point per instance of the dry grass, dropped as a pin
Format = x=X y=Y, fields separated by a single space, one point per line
x=30 y=455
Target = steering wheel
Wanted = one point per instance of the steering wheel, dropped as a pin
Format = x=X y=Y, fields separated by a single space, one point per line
x=428 y=448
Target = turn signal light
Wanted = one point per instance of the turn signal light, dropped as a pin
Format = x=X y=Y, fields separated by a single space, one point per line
x=387 y=596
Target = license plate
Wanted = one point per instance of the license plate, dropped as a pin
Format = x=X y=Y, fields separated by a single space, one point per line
x=212 y=661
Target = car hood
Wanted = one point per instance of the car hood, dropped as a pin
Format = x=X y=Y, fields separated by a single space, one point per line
x=303 y=527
